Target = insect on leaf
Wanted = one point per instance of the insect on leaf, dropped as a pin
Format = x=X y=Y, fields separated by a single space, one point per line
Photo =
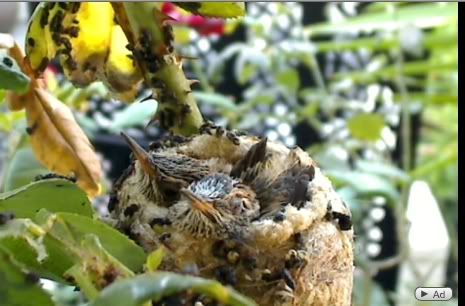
x=59 y=143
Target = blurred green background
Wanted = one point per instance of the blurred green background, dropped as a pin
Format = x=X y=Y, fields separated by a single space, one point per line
x=369 y=90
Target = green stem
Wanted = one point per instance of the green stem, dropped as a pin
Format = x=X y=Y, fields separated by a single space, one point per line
x=151 y=38
x=84 y=282
x=367 y=289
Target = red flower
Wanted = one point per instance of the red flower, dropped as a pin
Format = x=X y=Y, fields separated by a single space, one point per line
x=204 y=26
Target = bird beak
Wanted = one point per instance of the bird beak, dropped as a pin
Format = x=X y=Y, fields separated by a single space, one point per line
x=141 y=155
x=199 y=204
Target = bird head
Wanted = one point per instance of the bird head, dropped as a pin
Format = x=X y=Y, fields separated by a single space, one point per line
x=142 y=156
x=217 y=202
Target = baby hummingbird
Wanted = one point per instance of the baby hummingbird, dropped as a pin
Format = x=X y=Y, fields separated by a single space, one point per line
x=161 y=173
x=214 y=206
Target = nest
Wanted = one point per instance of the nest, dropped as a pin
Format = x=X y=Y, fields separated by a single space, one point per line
x=301 y=256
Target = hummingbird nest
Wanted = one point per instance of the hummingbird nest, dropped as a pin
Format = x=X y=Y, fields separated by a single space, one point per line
x=245 y=211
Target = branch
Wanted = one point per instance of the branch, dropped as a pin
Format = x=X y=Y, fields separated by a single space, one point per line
x=151 y=41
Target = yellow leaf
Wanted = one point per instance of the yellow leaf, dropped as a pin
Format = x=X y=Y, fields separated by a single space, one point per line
x=154 y=259
x=59 y=143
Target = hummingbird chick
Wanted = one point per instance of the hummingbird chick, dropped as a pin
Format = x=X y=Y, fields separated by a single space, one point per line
x=215 y=206
x=162 y=174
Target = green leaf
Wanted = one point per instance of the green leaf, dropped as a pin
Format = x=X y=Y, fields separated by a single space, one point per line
x=155 y=285
x=96 y=267
x=437 y=164
x=382 y=169
x=247 y=73
x=435 y=99
x=424 y=15
x=11 y=76
x=438 y=39
x=136 y=113
x=89 y=125
x=55 y=195
x=11 y=120
x=114 y=242
x=16 y=288
x=2 y=96
x=57 y=242
x=214 y=9
x=366 y=127
x=22 y=169
x=414 y=68
x=46 y=257
x=215 y=100
x=52 y=267
x=289 y=79
x=154 y=259
x=365 y=184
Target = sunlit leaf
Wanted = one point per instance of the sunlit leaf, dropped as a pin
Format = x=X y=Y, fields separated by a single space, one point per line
x=11 y=120
x=182 y=35
x=154 y=259
x=60 y=144
x=214 y=9
x=155 y=285
x=55 y=195
x=366 y=127
x=289 y=79
x=423 y=15
x=17 y=287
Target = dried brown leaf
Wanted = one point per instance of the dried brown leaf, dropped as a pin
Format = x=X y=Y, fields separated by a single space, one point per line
x=59 y=143
x=57 y=140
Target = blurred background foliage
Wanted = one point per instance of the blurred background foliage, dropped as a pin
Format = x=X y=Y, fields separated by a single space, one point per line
x=371 y=93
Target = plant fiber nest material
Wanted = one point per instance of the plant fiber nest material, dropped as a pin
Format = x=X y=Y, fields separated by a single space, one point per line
x=302 y=257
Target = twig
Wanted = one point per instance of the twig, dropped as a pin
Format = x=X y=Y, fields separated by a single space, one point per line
x=151 y=38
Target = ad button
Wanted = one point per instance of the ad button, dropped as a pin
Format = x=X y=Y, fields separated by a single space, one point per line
x=433 y=293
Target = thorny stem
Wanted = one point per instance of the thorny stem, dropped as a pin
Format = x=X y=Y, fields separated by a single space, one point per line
x=151 y=40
